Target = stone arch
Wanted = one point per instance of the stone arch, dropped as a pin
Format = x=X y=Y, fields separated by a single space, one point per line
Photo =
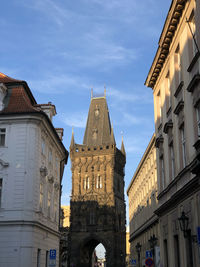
x=87 y=247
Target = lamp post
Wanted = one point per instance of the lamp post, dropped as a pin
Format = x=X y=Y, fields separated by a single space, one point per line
x=184 y=223
x=138 y=249
x=153 y=241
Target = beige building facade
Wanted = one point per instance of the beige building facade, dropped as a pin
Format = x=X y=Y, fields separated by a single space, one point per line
x=174 y=77
x=142 y=195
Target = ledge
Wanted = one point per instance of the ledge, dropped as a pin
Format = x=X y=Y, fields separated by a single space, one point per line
x=179 y=88
x=187 y=190
x=195 y=80
x=179 y=107
x=194 y=60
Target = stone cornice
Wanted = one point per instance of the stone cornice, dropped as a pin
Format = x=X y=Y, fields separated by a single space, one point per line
x=165 y=41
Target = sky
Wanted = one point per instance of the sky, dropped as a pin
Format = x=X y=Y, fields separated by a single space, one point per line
x=63 y=48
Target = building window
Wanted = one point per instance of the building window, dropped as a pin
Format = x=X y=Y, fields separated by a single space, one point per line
x=162 y=171
x=38 y=257
x=2 y=136
x=198 y=119
x=86 y=183
x=177 y=62
x=1 y=185
x=55 y=205
x=43 y=145
x=176 y=251
x=192 y=26
x=172 y=160
x=57 y=167
x=99 y=181
x=49 y=203
x=168 y=93
x=166 y=253
x=50 y=156
x=159 y=107
x=47 y=259
x=41 y=196
x=183 y=146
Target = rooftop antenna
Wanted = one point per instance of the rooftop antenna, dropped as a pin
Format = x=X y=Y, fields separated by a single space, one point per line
x=104 y=90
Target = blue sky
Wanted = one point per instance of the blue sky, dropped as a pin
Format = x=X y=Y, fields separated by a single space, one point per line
x=63 y=48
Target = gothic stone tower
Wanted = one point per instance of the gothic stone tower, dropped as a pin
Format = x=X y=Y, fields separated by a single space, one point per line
x=97 y=201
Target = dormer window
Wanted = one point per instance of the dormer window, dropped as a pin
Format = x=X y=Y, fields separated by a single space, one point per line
x=3 y=91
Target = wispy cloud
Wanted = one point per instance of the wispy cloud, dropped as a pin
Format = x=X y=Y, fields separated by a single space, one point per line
x=57 y=83
x=77 y=119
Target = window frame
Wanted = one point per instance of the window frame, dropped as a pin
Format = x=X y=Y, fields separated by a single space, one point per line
x=2 y=137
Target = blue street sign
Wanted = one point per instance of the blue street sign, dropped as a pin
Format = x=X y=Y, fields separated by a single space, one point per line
x=52 y=254
x=148 y=254
x=133 y=262
x=198 y=235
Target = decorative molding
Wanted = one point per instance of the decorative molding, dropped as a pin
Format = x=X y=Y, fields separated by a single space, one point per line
x=167 y=126
x=159 y=141
x=56 y=186
x=179 y=88
x=3 y=164
x=51 y=179
x=179 y=107
x=43 y=171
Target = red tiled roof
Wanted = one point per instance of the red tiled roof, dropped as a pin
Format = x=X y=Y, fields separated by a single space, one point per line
x=6 y=79
x=19 y=102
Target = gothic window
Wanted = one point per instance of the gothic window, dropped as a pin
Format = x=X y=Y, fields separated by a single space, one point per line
x=1 y=185
x=2 y=136
x=99 y=182
x=86 y=183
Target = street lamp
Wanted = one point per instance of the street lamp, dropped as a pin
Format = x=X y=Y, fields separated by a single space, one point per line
x=184 y=222
x=138 y=249
x=153 y=241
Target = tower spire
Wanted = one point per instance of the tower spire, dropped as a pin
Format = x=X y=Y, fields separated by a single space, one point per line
x=72 y=139
x=112 y=135
x=122 y=147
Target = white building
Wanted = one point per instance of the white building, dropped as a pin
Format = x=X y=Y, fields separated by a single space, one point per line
x=32 y=159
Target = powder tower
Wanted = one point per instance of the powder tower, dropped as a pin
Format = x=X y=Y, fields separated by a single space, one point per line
x=97 y=200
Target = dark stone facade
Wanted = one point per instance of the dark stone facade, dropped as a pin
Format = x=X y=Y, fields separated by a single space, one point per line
x=97 y=201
